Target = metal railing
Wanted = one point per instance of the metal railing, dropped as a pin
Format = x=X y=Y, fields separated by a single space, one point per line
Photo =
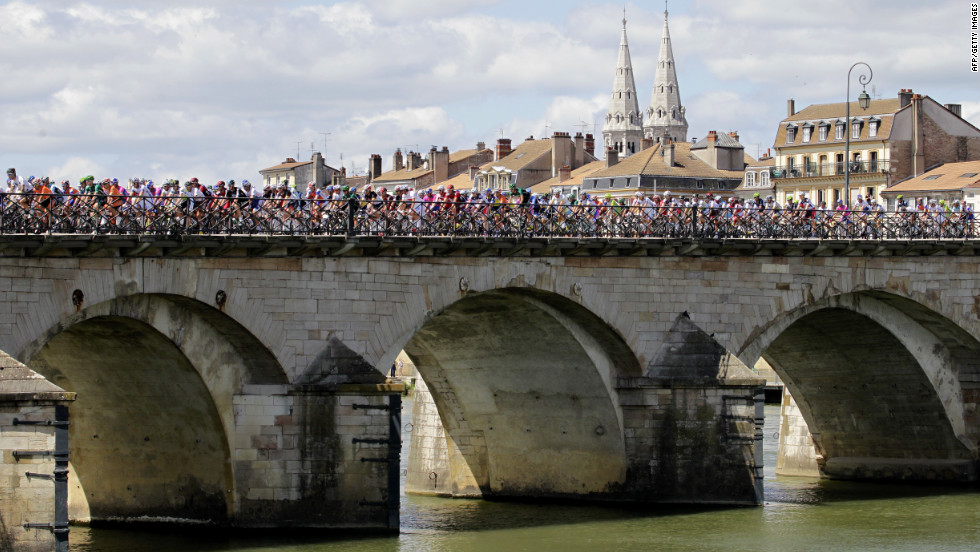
x=29 y=214
x=813 y=170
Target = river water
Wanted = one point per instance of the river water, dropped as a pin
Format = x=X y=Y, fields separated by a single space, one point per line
x=798 y=514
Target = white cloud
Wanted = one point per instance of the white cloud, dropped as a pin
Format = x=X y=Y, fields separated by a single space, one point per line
x=74 y=168
x=226 y=88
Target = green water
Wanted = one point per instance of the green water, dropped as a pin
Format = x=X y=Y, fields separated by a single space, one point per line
x=799 y=514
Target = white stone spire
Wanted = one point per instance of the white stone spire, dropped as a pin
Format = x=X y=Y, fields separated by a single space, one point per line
x=665 y=116
x=623 y=129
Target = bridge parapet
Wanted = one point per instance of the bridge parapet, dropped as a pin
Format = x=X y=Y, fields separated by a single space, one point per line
x=258 y=246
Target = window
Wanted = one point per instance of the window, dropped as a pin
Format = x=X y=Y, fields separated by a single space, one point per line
x=749 y=179
x=670 y=88
x=873 y=129
x=790 y=133
x=968 y=175
x=806 y=133
x=764 y=179
x=822 y=132
x=932 y=177
x=839 y=131
x=855 y=130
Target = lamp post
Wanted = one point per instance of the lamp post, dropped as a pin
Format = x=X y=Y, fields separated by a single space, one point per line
x=864 y=100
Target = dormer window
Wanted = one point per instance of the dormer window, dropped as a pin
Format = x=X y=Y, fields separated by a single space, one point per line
x=807 y=132
x=856 y=129
x=839 y=130
x=790 y=133
x=822 y=130
x=749 y=179
x=873 y=124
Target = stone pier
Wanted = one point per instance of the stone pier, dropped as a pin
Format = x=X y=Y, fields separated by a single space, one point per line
x=33 y=493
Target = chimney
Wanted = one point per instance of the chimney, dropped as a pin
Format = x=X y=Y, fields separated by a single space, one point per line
x=579 y=150
x=473 y=172
x=790 y=107
x=646 y=143
x=561 y=151
x=955 y=109
x=503 y=149
x=918 y=135
x=612 y=157
x=439 y=164
x=480 y=146
x=414 y=160
x=290 y=160
x=712 y=153
x=904 y=97
x=564 y=174
x=668 y=153
x=397 y=163
x=734 y=135
x=374 y=165
x=590 y=145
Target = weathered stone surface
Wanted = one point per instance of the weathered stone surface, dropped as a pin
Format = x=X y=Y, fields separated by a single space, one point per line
x=881 y=354
x=26 y=396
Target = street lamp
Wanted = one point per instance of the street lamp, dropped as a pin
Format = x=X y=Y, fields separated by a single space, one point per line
x=864 y=100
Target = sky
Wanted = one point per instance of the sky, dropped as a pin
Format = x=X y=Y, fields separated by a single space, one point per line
x=221 y=89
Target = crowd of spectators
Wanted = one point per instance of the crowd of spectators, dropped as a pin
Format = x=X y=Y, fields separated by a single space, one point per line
x=141 y=206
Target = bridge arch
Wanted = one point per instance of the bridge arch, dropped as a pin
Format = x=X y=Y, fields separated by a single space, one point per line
x=524 y=382
x=877 y=377
x=153 y=425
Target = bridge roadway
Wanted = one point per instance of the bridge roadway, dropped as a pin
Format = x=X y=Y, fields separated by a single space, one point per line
x=239 y=379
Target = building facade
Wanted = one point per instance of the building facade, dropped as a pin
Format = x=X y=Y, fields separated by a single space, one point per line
x=714 y=165
x=948 y=182
x=299 y=172
x=891 y=140
x=438 y=167
x=530 y=163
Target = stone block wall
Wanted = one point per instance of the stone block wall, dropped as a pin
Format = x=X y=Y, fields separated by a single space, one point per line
x=692 y=444
x=25 y=499
x=296 y=461
x=428 y=463
x=797 y=455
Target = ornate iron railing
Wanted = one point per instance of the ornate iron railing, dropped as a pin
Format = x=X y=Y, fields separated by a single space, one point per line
x=812 y=170
x=175 y=216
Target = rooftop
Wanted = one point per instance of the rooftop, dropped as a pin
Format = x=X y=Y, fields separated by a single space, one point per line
x=946 y=177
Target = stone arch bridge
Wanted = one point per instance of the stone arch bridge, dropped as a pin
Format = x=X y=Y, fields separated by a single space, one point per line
x=239 y=380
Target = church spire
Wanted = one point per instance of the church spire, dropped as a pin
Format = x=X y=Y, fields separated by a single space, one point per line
x=665 y=116
x=623 y=129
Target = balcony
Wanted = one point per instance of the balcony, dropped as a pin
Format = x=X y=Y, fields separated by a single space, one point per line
x=815 y=170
